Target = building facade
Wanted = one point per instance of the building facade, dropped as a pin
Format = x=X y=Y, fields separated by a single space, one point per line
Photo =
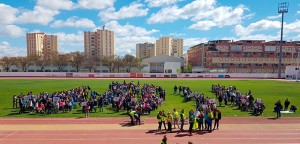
x=169 y=46
x=162 y=64
x=99 y=43
x=145 y=50
x=248 y=56
x=40 y=44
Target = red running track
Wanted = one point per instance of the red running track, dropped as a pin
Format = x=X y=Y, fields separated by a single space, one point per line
x=283 y=131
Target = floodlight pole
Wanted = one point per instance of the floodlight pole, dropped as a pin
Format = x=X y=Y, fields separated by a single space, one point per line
x=297 y=67
x=282 y=8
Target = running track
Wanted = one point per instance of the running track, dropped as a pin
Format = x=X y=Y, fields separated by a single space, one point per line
x=116 y=131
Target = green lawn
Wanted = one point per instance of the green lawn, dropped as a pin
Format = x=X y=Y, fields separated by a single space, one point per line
x=269 y=91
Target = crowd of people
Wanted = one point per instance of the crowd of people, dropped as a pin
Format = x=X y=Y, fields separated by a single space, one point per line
x=130 y=96
x=199 y=120
x=245 y=102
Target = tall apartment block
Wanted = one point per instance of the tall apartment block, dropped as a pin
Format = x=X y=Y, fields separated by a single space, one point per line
x=248 y=56
x=169 y=46
x=40 y=44
x=145 y=50
x=99 y=43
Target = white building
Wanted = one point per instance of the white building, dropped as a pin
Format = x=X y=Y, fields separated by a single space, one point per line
x=292 y=72
x=162 y=64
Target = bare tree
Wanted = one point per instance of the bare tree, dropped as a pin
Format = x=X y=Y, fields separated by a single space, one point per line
x=118 y=63
x=7 y=63
x=61 y=61
x=90 y=64
x=23 y=62
x=40 y=62
x=77 y=60
x=139 y=65
x=109 y=62
x=129 y=62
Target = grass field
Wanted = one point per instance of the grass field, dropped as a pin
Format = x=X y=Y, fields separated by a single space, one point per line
x=269 y=91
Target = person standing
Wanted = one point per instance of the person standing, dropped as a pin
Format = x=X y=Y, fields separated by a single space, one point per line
x=217 y=116
x=15 y=101
x=175 y=90
x=286 y=104
x=164 y=140
x=169 y=120
x=163 y=118
x=191 y=121
x=200 y=121
x=182 y=119
x=86 y=110
x=159 y=115
x=278 y=108
x=175 y=118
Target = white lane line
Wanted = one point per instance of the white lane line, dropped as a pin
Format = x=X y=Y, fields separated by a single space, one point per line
x=8 y=135
x=190 y=138
x=154 y=133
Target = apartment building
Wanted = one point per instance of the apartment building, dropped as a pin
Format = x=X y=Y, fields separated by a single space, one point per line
x=145 y=50
x=247 y=56
x=169 y=46
x=40 y=44
x=99 y=43
x=197 y=55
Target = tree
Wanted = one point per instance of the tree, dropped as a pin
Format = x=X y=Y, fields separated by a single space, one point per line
x=90 y=63
x=40 y=62
x=139 y=65
x=118 y=63
x=188 y=68
x=23 y=62
x=77 y=60
x=129 y=62
x=109 y=62
x=61 y=61
x=7 y=63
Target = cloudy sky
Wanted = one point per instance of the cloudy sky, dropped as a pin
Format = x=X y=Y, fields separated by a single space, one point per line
x=138 y=21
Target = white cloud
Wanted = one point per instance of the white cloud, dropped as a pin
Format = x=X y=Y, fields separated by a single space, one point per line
x=7 y=14
x=173 y=13
x=133 y=10
x=7 y=50
x=74 y=22
x=263 y=25
x=177 y=34
x=257 y=26
x=72 y=39
x=128 y=30
x=39 y=15
x=189 y=42
x=159 y=3
x=95 y=4
x=11 y=31
x=298 y=12
x=274 y=17
x=56 y=4
x=202 y=12
x=293 y=27
x=168 y=14
x=203 y=25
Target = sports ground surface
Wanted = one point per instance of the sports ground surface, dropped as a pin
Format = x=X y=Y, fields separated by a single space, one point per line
x=117 y=131
x=246 y=130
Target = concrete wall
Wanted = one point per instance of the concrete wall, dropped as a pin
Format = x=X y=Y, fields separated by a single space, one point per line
x=137 y=75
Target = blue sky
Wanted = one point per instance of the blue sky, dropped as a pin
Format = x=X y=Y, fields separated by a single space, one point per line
x=140 y=21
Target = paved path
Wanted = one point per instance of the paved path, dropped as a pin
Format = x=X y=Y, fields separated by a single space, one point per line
x=117 y=131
